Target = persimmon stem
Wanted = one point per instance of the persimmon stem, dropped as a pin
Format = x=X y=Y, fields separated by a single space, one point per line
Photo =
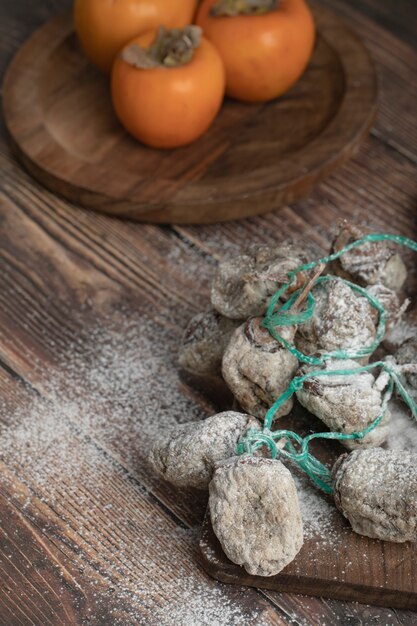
x=225 y=8
x=171 y=48
x=308 y=287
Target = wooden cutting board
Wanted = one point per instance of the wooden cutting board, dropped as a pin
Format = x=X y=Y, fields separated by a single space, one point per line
x=254 y=159
x=334 y=561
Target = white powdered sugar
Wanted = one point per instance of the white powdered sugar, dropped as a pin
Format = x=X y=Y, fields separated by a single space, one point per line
x=122 y=386
x=403 y=429
x=317 y=510
x=117 y=387
x=200 y=606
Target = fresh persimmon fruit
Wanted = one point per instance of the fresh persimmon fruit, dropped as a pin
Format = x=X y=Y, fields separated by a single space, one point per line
x=264 y=50
x=167 y=88
x=105 y=26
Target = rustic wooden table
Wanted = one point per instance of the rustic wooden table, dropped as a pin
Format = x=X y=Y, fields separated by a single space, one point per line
x=92 y=310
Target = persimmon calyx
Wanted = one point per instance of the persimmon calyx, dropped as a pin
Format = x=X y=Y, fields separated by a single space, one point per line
x=171 y=48
x=224 y=8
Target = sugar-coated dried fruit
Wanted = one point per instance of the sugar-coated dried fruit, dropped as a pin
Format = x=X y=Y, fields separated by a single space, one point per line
x=185 y=455
x=342 y=320
x=206 y=338
x=243 y=286
x=258 y=369
x=255 y=514
x=394 y=306
x=345 y=403
x=369 y=264
x=376 y=490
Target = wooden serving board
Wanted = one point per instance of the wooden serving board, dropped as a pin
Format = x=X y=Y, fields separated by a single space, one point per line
x=254 y=159
x=334 y=561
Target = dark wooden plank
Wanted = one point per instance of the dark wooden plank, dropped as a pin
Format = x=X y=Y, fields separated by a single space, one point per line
x=27 y=343
x=46 y=243
x=395 y=61
x=333 y=561
x=107 y=315
x=18 y=20
x=121 y=260
x=67 y=271
x=82 y=542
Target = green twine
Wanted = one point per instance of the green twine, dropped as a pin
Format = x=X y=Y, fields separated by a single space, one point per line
x=254 y=439
x=281 y=318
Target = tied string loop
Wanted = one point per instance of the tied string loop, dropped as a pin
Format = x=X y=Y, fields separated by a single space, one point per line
x=318 y=472
x=280 y=318
x=286 y=443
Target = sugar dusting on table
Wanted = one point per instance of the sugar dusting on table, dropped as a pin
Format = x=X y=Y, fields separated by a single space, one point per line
x=403 y=430
x=117 y=386
x=127 y=370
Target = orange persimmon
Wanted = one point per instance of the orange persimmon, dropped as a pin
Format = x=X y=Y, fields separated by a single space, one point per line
x=105 y=26
x=163 y=100
x=264 y=54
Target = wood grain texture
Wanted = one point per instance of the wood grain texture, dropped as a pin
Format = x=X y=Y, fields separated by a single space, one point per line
x=65 y=271
x=395 y=61
x=69 y=557
x=254 y=158
x=385 y=577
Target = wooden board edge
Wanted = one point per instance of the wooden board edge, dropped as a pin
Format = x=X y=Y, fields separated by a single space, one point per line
x=227 y=572
x=224 y=210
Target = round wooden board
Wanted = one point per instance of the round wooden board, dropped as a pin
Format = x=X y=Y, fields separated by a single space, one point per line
x=254 y=159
